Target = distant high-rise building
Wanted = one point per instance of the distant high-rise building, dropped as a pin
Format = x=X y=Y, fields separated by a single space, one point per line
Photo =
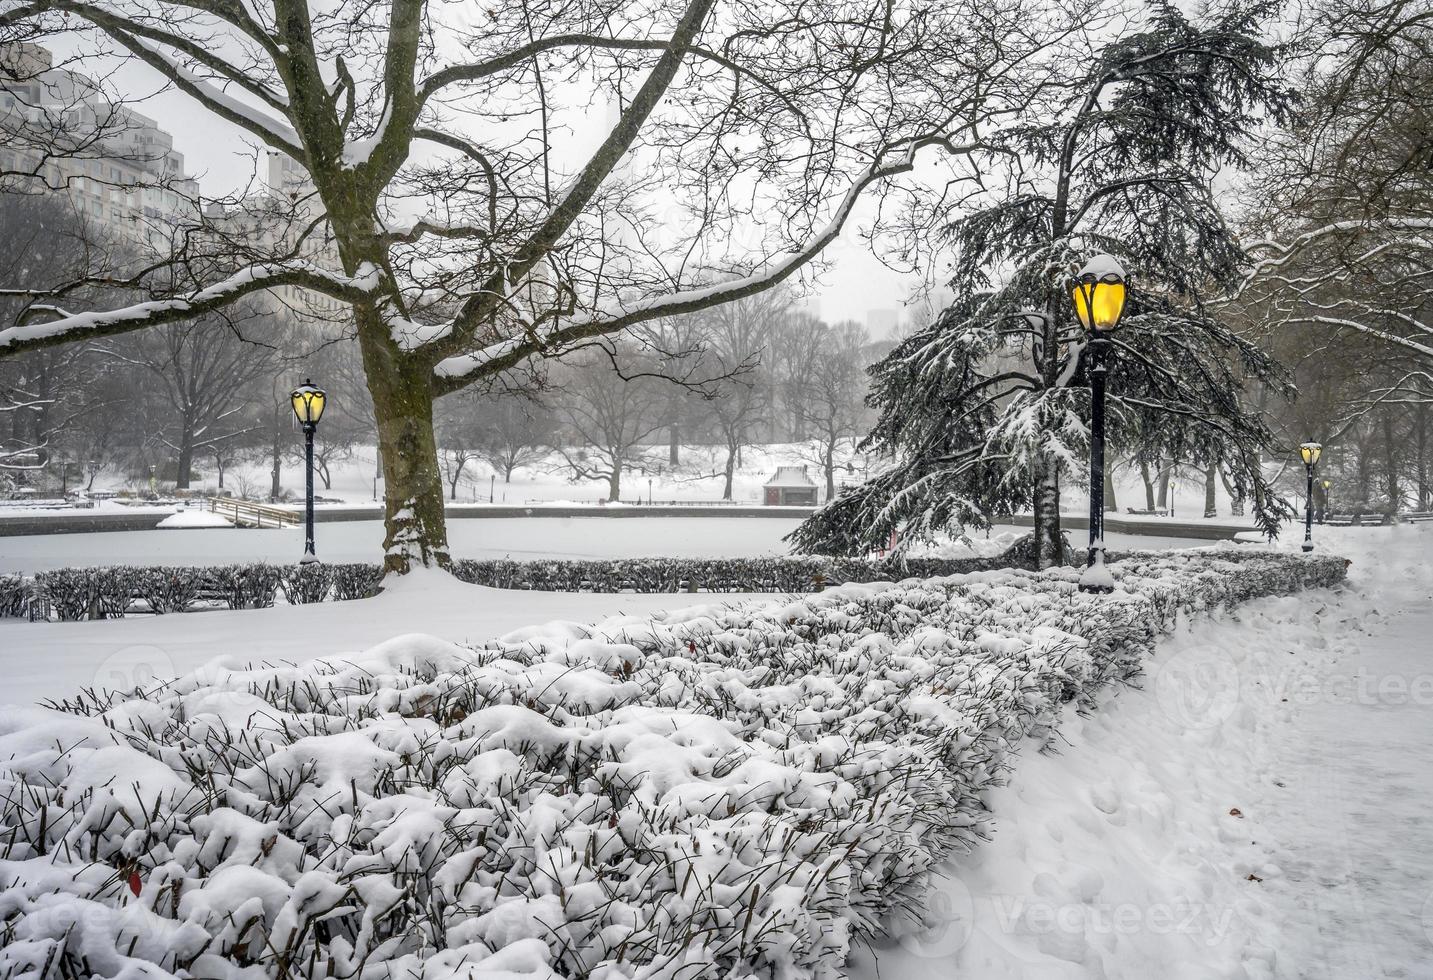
x=881 y=323
x=59 y=134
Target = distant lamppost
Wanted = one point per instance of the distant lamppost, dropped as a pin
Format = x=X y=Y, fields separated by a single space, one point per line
x=1310 y=451
x=308 y=401
x=1098 y=292
x=1323 y=511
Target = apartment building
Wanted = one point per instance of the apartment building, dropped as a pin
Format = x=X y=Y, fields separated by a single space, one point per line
x=117 y=168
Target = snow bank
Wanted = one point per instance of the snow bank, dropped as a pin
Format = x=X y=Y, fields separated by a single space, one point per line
x=728 y=792
x=195 y=518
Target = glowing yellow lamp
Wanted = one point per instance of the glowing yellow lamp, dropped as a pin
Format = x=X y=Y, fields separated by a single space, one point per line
x=1098 y=291
x=308 y=401
x=1311 y=451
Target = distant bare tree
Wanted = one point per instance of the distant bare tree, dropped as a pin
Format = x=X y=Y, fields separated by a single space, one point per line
x=43 y=392
x=612 y=402
x=738 y=334
x=209 y=374
x=513 y=431
x=833 y=392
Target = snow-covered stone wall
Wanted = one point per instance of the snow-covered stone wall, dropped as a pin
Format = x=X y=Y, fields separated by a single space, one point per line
x=726 y=792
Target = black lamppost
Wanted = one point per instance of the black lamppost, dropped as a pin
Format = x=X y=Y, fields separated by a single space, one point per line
x=1324 y=510
x=1098 y=291
x=1310 y=451
x=308 y=402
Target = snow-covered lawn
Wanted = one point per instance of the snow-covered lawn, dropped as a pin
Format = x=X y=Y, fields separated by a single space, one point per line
x=54 y=660
x=715 y=793
x=527 y=538
x=1257 y=808
x=518 y=537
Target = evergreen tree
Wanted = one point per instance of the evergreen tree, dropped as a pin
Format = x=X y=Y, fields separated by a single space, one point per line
x=980 y=412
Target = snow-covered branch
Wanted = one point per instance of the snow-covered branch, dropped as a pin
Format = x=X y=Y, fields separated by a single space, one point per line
x=65 y=327
x=455 y=371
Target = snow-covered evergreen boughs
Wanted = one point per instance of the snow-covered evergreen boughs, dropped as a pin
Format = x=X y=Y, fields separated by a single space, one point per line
x=982 y=412
x=720 y=792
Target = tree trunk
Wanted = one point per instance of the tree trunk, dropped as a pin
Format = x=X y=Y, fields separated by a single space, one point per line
x=1148 y=485
x=614 y=480
x=1163 y=486
x=402 y=391
x=1049 y=545
x=1111 y=505
x=1425 y=493
x=1236 y=502
x=731 y=452
x=1211 y=502
x=219 y=469
x=829 y=464
x=185 y=460
x=276 y=470
x=674 y=445
x=1390 y=466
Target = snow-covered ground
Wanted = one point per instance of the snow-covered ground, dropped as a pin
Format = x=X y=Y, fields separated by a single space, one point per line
x=528 y=538
x=344 y=541
x=1258 y=807
x=53 y=660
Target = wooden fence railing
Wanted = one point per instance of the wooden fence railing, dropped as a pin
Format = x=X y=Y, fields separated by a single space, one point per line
x=249 y=514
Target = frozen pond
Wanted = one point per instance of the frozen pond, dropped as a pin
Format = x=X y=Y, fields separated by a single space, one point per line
x=526 y=538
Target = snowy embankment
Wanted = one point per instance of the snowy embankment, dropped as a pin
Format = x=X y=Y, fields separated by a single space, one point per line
x=726 y=793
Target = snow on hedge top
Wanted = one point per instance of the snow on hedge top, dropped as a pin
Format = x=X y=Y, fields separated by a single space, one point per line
x=725 y=792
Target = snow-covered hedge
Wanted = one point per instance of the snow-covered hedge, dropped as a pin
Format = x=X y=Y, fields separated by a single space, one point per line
x=14 y=595
x=110 y=592
x=723 y=792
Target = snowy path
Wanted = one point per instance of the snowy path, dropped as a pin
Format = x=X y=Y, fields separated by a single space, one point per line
x=1355 y=814
x=1291 y=742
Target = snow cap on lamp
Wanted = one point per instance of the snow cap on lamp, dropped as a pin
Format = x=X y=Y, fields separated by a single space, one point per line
x=308 y=401
x=1098 y=291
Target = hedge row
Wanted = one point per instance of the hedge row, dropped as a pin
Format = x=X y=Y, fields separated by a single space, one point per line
x=69 y=594
x=739 y=792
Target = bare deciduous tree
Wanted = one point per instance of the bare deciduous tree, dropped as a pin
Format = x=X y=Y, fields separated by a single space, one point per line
x=207 y=373
x=612 y=401
x=833 y=392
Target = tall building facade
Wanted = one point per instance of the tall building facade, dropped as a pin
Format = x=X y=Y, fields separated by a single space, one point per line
x=60 y=135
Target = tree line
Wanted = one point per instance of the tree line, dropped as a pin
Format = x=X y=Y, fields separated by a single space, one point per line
x=185 y=402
